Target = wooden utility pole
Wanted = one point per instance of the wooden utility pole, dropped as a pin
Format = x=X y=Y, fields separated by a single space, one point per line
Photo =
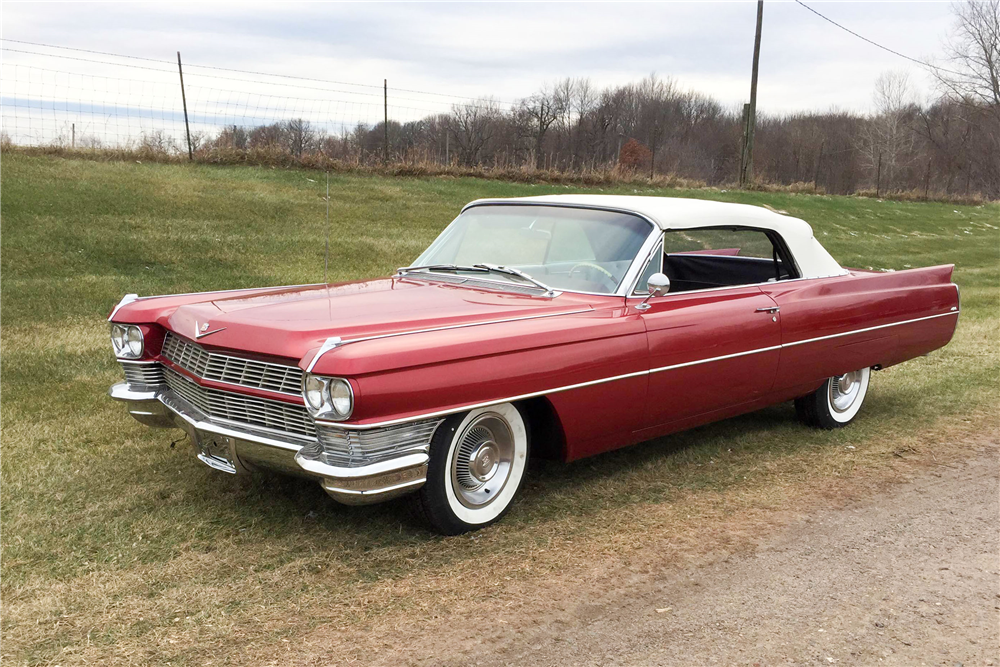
x=385 y=123
x=746 y=168
x=745 y=126
x=187 y=127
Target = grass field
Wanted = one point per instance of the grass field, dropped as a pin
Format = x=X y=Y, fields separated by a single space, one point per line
x=118 y=548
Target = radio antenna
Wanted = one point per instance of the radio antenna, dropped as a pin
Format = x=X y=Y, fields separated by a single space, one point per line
x=326 y=255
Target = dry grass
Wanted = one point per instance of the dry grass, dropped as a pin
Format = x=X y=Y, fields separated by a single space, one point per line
x=277 y=158
x=118 y=549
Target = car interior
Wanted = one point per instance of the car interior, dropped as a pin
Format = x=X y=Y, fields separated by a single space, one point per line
x=696 y=259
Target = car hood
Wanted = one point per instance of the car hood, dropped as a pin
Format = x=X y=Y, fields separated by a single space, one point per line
x=290 y=322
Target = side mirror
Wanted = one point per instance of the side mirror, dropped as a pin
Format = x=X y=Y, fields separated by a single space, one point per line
x=658 y=284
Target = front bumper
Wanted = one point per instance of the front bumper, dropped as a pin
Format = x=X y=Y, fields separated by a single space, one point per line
x=240 y=449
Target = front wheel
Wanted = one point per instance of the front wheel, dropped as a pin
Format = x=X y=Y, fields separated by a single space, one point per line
x=836 y=402
x=477 y=463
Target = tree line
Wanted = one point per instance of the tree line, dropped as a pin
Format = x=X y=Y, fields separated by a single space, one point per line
x=949 y=144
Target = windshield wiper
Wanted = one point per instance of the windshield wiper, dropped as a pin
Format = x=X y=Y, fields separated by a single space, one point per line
x=480 y=268
x=506 y=270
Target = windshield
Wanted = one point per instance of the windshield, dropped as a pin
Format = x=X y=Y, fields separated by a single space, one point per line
x=574 y=249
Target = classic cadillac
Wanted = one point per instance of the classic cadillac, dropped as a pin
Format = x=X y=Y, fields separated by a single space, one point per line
x=563 y=326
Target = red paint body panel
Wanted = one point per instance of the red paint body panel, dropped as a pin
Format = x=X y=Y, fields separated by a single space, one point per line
x=643 y=374
x=688 y=328
x=860 y=300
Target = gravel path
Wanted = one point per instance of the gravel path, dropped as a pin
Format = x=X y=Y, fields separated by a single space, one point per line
x=908 y=577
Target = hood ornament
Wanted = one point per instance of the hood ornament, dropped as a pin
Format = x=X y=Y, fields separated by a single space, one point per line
x=202 y=331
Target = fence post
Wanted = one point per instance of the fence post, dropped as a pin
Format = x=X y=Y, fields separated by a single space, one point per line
x=385 y=123
x=187 y=127
x=73 y=135
x=878 y=177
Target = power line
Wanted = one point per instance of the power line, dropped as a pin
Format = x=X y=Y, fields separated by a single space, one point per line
x=299 y=86
x=876 y=44
x=224 y=69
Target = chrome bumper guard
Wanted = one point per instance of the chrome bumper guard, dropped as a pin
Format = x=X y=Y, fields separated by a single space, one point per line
x=239 y=449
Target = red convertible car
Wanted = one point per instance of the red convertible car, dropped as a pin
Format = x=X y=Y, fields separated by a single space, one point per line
x=560 y=326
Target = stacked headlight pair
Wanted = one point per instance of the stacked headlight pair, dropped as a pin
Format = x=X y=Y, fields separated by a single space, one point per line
x=127 y=341
x=328 y=398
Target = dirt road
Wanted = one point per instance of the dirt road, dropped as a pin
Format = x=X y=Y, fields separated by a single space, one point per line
x=907 y=577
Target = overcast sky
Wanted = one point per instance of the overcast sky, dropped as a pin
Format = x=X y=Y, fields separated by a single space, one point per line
x=506 y=50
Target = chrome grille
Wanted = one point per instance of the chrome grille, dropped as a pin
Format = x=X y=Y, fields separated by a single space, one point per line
x=351 y=449
x=143 y=374
x=235 y=370
x=243 y=409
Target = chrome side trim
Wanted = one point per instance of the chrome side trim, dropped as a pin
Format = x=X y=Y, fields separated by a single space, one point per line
x=614 y=378
x=880 y=326
x=723 y=357
x=335 y=342
x=473 y=406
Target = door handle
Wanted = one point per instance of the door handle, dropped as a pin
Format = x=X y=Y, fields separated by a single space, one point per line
x=768 y=309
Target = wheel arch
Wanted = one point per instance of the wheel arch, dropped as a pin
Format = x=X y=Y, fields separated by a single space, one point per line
x=548 y=439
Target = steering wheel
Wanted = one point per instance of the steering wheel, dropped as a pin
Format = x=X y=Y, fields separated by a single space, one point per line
x=607 y=278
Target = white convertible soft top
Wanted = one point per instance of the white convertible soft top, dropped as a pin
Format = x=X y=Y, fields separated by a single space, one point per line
x=678 y=213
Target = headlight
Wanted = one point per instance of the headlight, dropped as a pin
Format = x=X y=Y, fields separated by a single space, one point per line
x=328 y=398
x=127 y=341
x=314 y=387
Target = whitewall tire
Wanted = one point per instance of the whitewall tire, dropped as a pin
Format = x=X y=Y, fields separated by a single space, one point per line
x=477 y=464
x=836 y=402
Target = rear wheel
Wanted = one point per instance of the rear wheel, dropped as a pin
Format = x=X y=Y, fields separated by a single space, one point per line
x=836 y=402
x=477 y=463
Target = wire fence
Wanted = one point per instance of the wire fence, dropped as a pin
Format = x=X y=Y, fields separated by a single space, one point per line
x=86 y=99
x=52 y=97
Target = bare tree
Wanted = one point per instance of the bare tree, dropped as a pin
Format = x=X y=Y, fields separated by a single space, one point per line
x=886 y=140
x=472 y=127
x=974 y=53
x=973 y=78
x=299 y=136
x=543 y=109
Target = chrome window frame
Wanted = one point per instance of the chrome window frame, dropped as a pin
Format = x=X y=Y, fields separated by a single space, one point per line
x=791 y=257
x=657 y=248
x=725 y=287
x=628 y=278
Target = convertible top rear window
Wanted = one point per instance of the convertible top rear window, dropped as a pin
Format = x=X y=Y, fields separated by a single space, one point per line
x=567 y=248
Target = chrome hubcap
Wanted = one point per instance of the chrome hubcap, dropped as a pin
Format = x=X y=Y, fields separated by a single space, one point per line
x=484 y=461
x=844 y=390
x=482 y=464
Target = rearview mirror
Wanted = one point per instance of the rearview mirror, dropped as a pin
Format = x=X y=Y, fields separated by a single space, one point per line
x=658 y=284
